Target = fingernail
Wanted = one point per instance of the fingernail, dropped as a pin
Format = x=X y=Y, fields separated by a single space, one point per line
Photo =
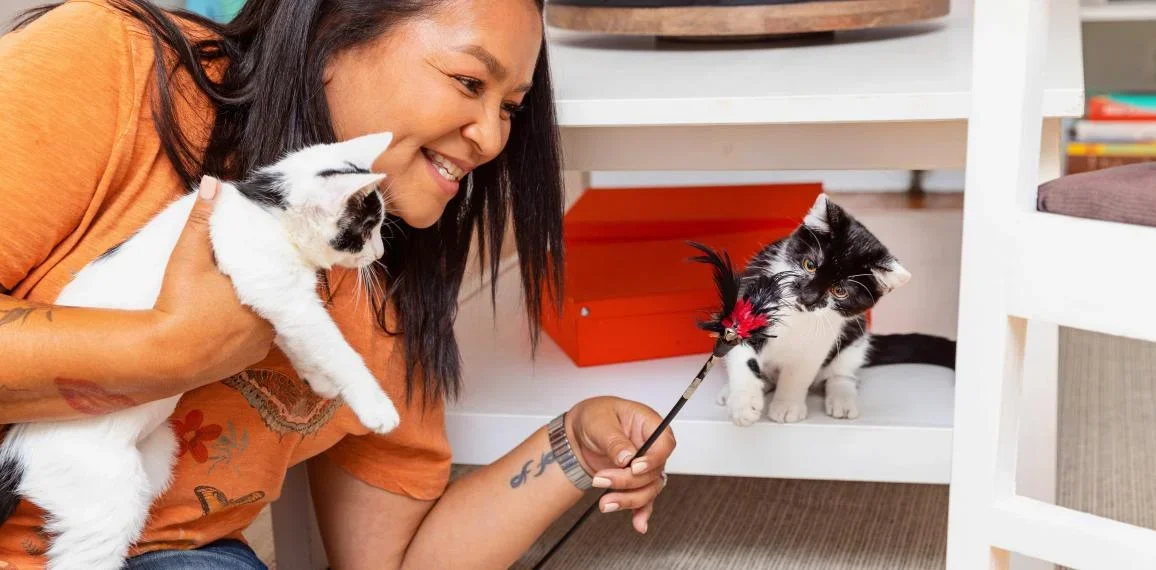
x=645 y=527
x=208 y=190
x=624 y=457
x=639 y=467
x=610 y=507
x=602 y=482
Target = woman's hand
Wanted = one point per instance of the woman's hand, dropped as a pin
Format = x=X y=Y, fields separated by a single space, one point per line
x=203 y=328
x=606 y=433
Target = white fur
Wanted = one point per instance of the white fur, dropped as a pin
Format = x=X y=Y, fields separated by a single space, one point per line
x=895 y=276
x=840 y=379
x=816 y=217
x=96 y=477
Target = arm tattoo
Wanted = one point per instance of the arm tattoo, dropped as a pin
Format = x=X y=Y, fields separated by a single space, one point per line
x=519 y=479
x=21 y=314
x=90 y=398
x=547 y=458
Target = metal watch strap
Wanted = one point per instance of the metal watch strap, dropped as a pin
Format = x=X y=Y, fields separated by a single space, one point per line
x=564 y=455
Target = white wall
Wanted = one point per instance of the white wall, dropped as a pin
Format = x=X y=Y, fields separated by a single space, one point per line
x=9 y=9
x=1120 y=55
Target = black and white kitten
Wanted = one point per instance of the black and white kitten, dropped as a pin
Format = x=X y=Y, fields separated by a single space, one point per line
x=318 y=207
x=835 y=270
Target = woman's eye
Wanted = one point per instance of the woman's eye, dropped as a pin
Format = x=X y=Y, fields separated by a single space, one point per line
x=512 y=109
x=809 y=265
x=472 y=85
x=839 y=292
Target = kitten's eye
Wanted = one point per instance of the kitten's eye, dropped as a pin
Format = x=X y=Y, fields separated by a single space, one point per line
x=809 y=265
x=839 y=292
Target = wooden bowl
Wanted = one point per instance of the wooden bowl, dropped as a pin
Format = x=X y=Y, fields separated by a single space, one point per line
x=736 y=19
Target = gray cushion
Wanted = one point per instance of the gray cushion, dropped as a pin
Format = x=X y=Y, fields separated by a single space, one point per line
x=1124 y=194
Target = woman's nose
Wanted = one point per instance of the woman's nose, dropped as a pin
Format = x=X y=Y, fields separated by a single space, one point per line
x=485 y=133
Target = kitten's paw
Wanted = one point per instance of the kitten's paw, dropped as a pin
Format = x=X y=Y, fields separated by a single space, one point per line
x=745 y=406
x=373 y=409
x=723 y=394
x=842 y=406
x=322 y=386
x=786 y=412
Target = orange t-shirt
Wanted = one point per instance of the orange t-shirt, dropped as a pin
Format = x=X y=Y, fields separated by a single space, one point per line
x=81 y=169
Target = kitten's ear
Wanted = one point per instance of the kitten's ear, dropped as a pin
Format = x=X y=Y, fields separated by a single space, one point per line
x=892 y=277
x=817 y=217
x=341 y=187
x=363 y=150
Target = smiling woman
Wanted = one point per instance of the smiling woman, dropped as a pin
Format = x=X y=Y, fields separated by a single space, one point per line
x=130 y=105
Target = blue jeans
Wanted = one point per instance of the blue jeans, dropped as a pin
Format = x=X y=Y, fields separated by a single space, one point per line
x=226 y=554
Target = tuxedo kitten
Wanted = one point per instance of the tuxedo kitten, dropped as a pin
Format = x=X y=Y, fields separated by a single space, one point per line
x=833 y=271
x=314 y=209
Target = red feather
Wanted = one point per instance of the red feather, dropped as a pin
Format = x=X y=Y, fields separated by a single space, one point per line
x=744 y=319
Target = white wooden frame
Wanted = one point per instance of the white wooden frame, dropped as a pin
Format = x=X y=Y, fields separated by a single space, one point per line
x=998 y=390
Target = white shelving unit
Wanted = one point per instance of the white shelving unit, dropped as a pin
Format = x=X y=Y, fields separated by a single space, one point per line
x=872 y=99
x=904 y=408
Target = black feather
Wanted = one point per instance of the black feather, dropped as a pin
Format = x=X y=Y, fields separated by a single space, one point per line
x=725 y=279
x=764 y=292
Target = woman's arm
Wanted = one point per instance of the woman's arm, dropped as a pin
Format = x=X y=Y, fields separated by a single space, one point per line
x=69 y=362
x=490 y=517
x=62 y=362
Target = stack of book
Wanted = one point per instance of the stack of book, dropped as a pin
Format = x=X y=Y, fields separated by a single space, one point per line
x=1117 y=129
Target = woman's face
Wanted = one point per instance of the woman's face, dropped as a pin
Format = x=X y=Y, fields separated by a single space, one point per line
x=446 y=84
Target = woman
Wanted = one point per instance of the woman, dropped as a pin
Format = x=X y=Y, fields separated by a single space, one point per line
x=99 y=136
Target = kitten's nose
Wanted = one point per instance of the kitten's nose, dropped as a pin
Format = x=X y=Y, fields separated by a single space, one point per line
x=809 y=297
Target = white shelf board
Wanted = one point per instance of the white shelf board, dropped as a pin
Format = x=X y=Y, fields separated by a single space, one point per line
x=903 y=434
x=1133 y=11
x=905 y=73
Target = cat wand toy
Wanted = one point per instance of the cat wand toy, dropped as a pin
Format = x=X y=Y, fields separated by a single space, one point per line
x=744 y=319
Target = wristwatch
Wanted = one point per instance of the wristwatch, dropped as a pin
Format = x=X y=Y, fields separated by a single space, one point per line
x=564 y=455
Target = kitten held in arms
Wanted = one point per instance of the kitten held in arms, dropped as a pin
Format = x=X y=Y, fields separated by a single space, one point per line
x=835 y=270
x=316 y=208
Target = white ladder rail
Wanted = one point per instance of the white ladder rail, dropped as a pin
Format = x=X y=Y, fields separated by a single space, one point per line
x=1011 y=273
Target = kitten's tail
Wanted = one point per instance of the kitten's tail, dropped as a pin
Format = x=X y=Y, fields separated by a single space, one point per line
x=10 y=475
x=911 y=348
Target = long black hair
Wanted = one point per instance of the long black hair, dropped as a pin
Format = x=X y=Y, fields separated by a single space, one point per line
x=270 y=100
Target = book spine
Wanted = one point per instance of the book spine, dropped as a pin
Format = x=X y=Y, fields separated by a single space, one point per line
x=1121 y=107
x=1087 y=163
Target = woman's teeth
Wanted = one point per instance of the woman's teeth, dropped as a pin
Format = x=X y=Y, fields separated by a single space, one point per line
x=444 y=166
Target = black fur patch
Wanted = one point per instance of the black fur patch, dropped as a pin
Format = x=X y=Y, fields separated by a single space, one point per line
x=10 y=475
x=361 y=216
x=352 y=169
x=912 y=348
x=263 y=188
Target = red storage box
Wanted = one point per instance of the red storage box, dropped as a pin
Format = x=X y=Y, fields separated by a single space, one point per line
x=631 y=291
x=605 y=215
x=641 y=300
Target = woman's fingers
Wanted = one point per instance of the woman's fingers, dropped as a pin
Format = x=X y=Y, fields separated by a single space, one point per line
x=625 y=479
x=636 y=499
x=641 y=517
